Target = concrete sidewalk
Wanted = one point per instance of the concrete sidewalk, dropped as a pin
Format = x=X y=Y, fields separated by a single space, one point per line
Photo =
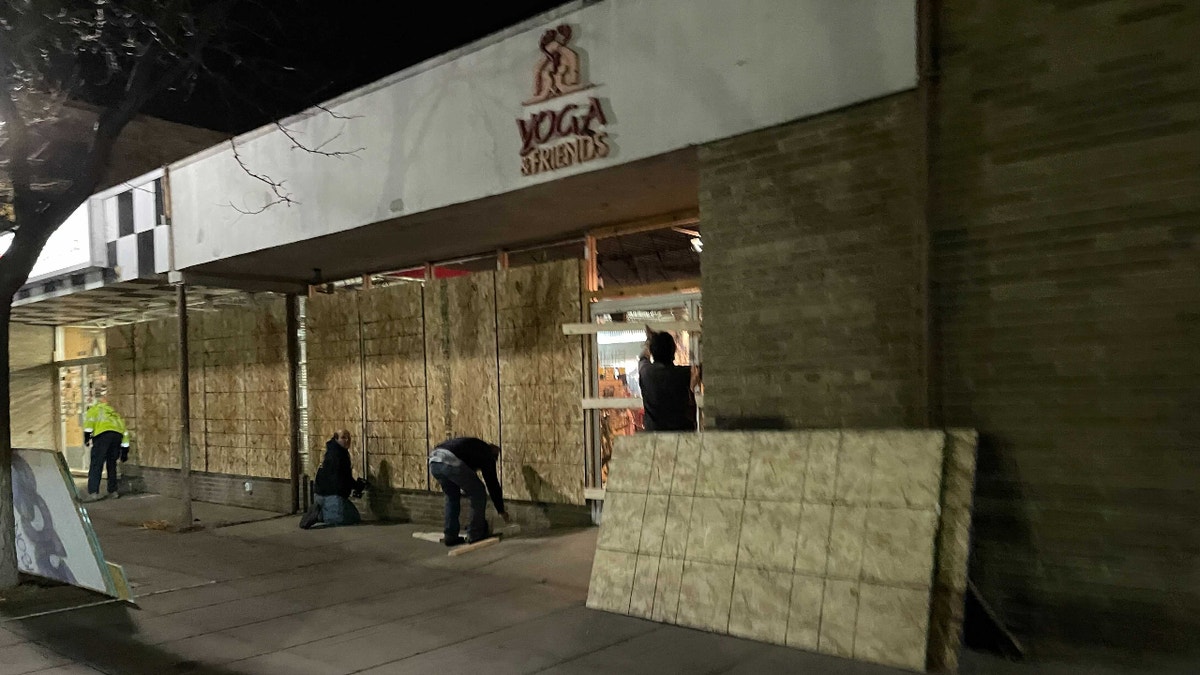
x=266 y=597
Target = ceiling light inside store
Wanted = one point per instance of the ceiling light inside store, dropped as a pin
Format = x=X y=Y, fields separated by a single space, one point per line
x=697 y=245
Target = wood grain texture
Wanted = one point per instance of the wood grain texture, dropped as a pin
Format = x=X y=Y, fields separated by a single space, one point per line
x=334 y=373
x=460 y=348
x=394 y=367
x=541 y=382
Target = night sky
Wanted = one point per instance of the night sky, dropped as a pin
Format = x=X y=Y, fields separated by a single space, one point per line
x=299 y=52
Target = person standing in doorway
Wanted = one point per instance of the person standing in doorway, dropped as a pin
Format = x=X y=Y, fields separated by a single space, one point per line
x=104 y=430
x=666 y=388
x=453 y=464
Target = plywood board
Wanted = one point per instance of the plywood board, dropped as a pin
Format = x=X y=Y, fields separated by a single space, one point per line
x=238 y=386
x=156 y=384
x=52 y=531
x=394 y=369
x=953 y=551
x=245 y=390
x=460 y=347
x=541 y=381
x=335 y=395
x=821 y=540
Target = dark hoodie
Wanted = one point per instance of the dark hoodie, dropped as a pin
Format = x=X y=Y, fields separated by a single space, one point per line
x=335 y=477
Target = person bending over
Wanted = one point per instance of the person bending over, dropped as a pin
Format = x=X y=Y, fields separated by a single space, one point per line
x=454 y=463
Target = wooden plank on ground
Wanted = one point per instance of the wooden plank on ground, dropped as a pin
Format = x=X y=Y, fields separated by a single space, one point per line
x=459 y=550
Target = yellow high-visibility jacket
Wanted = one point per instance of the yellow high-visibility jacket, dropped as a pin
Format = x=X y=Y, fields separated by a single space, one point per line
x=101 y=417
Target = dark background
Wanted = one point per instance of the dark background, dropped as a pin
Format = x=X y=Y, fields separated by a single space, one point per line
x=292 y=54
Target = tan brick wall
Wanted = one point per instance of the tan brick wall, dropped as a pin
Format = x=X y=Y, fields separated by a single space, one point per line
x=812 y=311
x=1066 y=201
x=1067 y=161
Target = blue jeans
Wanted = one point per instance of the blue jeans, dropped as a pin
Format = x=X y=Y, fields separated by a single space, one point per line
x=457 y=481
x=337 y=510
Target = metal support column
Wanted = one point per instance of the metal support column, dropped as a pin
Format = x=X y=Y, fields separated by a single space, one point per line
x=293 y=356
x=185 y=414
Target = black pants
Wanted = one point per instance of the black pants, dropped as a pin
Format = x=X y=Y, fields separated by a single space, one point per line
x=106 y=450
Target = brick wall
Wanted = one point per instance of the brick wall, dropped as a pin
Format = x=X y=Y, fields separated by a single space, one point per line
x=1067 y=159
x=420 y=506
x=812 y=280
x=269 y=494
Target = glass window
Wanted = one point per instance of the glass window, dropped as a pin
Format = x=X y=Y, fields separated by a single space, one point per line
x=617 y=354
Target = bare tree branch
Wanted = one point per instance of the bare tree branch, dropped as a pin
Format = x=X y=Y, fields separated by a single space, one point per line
x=276 y=187
x=318 y=149
x=336 y=115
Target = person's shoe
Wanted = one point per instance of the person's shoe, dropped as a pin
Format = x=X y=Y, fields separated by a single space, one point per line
x=310 y=518
x=91 y=497
x=476 y=540
x=114 y=495
x=454 y=541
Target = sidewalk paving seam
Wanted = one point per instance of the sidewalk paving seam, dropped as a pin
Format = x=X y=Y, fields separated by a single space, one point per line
x=597 y=650
x=238 y=579
x=462 y=642
x=402 y=621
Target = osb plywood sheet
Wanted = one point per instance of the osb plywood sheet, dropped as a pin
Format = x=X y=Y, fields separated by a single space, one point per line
x=335 y=366
x=460 y=350
x=245 y=390
x=953 y=550
x=29 y=346
x=122 y=380
x=541 y=376
x=155 y=391
x=238 y=386
x=31 y=403
x=394 y=368
x=821 y=540
x=156 y=385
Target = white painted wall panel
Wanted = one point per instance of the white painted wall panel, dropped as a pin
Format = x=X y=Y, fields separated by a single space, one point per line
x=672 y=73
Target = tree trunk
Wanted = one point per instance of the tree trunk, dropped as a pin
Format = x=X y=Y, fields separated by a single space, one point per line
x=9 y=576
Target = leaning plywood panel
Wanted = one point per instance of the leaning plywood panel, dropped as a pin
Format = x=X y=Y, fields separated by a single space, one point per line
x=52 y=531
x=954 y=547
x=460 y=340
x=394 y=369
x=820 y=540
x=541 y=382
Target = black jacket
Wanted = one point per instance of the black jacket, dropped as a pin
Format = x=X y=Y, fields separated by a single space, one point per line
x=667 y=396
x=477 y=454
x=335 y=477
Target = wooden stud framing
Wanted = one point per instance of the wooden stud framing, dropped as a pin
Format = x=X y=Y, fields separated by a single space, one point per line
x=661 y=222
x=619 y=326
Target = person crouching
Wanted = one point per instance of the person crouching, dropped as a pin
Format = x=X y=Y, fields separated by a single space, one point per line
x=333 y=486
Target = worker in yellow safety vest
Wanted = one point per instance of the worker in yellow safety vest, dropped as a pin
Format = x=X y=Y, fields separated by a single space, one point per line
x=105 y=431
